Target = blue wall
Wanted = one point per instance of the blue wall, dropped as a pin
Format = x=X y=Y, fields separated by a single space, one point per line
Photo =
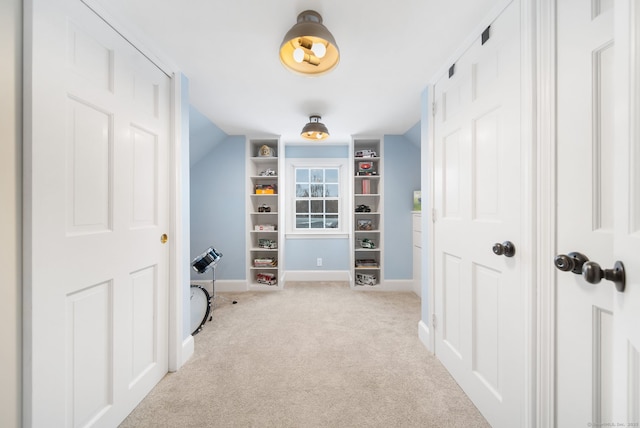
x=218 y=204
x=301 y=254
x=218 y=208
x=401 y=178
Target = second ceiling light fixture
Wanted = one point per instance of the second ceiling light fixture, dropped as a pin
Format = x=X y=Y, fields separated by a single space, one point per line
x=315 y=130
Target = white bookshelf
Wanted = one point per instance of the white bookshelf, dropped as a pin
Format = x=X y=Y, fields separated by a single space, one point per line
x=264 y=220
x=367 y=260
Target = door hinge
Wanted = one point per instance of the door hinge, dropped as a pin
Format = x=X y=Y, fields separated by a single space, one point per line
x=434 y=215
x=433 y=108
x=434 y=321
x=486 y=34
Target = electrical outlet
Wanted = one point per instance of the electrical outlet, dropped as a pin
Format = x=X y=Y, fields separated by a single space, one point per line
x=319 y=262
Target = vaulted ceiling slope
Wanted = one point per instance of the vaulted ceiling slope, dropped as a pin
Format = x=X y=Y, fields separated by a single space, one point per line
x=229 y=51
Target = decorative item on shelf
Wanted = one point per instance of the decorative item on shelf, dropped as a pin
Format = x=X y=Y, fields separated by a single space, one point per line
x=266 y=152
x=309 y=48
x=365 y=279
x=366 y=168
x=266 y=278
x=417 y=200
x=366 y=153
x=266 y=189
x=315 y=130
x=366 y=263
x=265 y=227
x=263 y=262
x=366 y=186
x=364 y=224
x=363 y=209
x=268 y=244
x=267 y=173
x=367 y=243
x=264 y=208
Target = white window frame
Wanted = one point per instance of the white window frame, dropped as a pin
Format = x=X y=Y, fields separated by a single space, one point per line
x=342 y=165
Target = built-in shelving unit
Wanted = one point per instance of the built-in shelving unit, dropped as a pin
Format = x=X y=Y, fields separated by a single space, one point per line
x=367 y=221
x=264 y=239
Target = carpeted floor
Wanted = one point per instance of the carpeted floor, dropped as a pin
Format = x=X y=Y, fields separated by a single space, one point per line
x=312 y=355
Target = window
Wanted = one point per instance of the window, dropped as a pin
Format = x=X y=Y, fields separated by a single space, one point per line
x=317 y=198
x=316 y=201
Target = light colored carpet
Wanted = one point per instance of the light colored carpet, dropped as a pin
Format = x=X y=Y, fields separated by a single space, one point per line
x=315 y=354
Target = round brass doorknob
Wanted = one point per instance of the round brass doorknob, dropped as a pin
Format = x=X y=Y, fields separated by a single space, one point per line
x=164 y=238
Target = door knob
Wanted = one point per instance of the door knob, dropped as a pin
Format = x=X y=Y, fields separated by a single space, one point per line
x=506 y=249
x=570 y=262
x=593 y=274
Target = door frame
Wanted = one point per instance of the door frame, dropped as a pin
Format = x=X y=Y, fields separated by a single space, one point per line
x=534 y=182
x=545 y=121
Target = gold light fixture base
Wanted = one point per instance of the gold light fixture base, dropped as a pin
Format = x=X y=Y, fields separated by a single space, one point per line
x=309 y=48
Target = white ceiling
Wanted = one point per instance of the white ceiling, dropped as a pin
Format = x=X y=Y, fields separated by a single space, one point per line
x=229 y=51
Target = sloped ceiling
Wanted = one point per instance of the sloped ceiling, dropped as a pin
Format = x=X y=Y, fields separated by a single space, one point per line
x=228 y=49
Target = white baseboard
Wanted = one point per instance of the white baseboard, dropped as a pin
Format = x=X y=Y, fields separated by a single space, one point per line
x=188 y=347
x=425 y=335
x=417 y=288
x=223 y=285
x=317 y=275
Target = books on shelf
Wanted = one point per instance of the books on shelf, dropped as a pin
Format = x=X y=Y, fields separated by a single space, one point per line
x=366 y=186
x=367 y=263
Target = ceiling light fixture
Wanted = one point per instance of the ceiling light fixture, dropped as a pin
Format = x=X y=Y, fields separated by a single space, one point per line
x=308 y=47
x=315 y=130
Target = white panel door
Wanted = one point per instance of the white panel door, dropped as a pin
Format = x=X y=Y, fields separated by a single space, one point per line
x=597 y=343
x=97 y=204
x=626 y=339
x=585 y=209
x=479 y=195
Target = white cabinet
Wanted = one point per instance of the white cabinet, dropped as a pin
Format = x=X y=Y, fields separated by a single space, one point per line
x=264 y=243
x=367 y=217
x=417 y=253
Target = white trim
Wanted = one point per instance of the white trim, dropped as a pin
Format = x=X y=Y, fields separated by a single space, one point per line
x=425 y=336
x=427 y=153
x=188 y=348
x=175 y=259
x=546 y=214
x=342 y=165
x=317 y=275
x=528 y=202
